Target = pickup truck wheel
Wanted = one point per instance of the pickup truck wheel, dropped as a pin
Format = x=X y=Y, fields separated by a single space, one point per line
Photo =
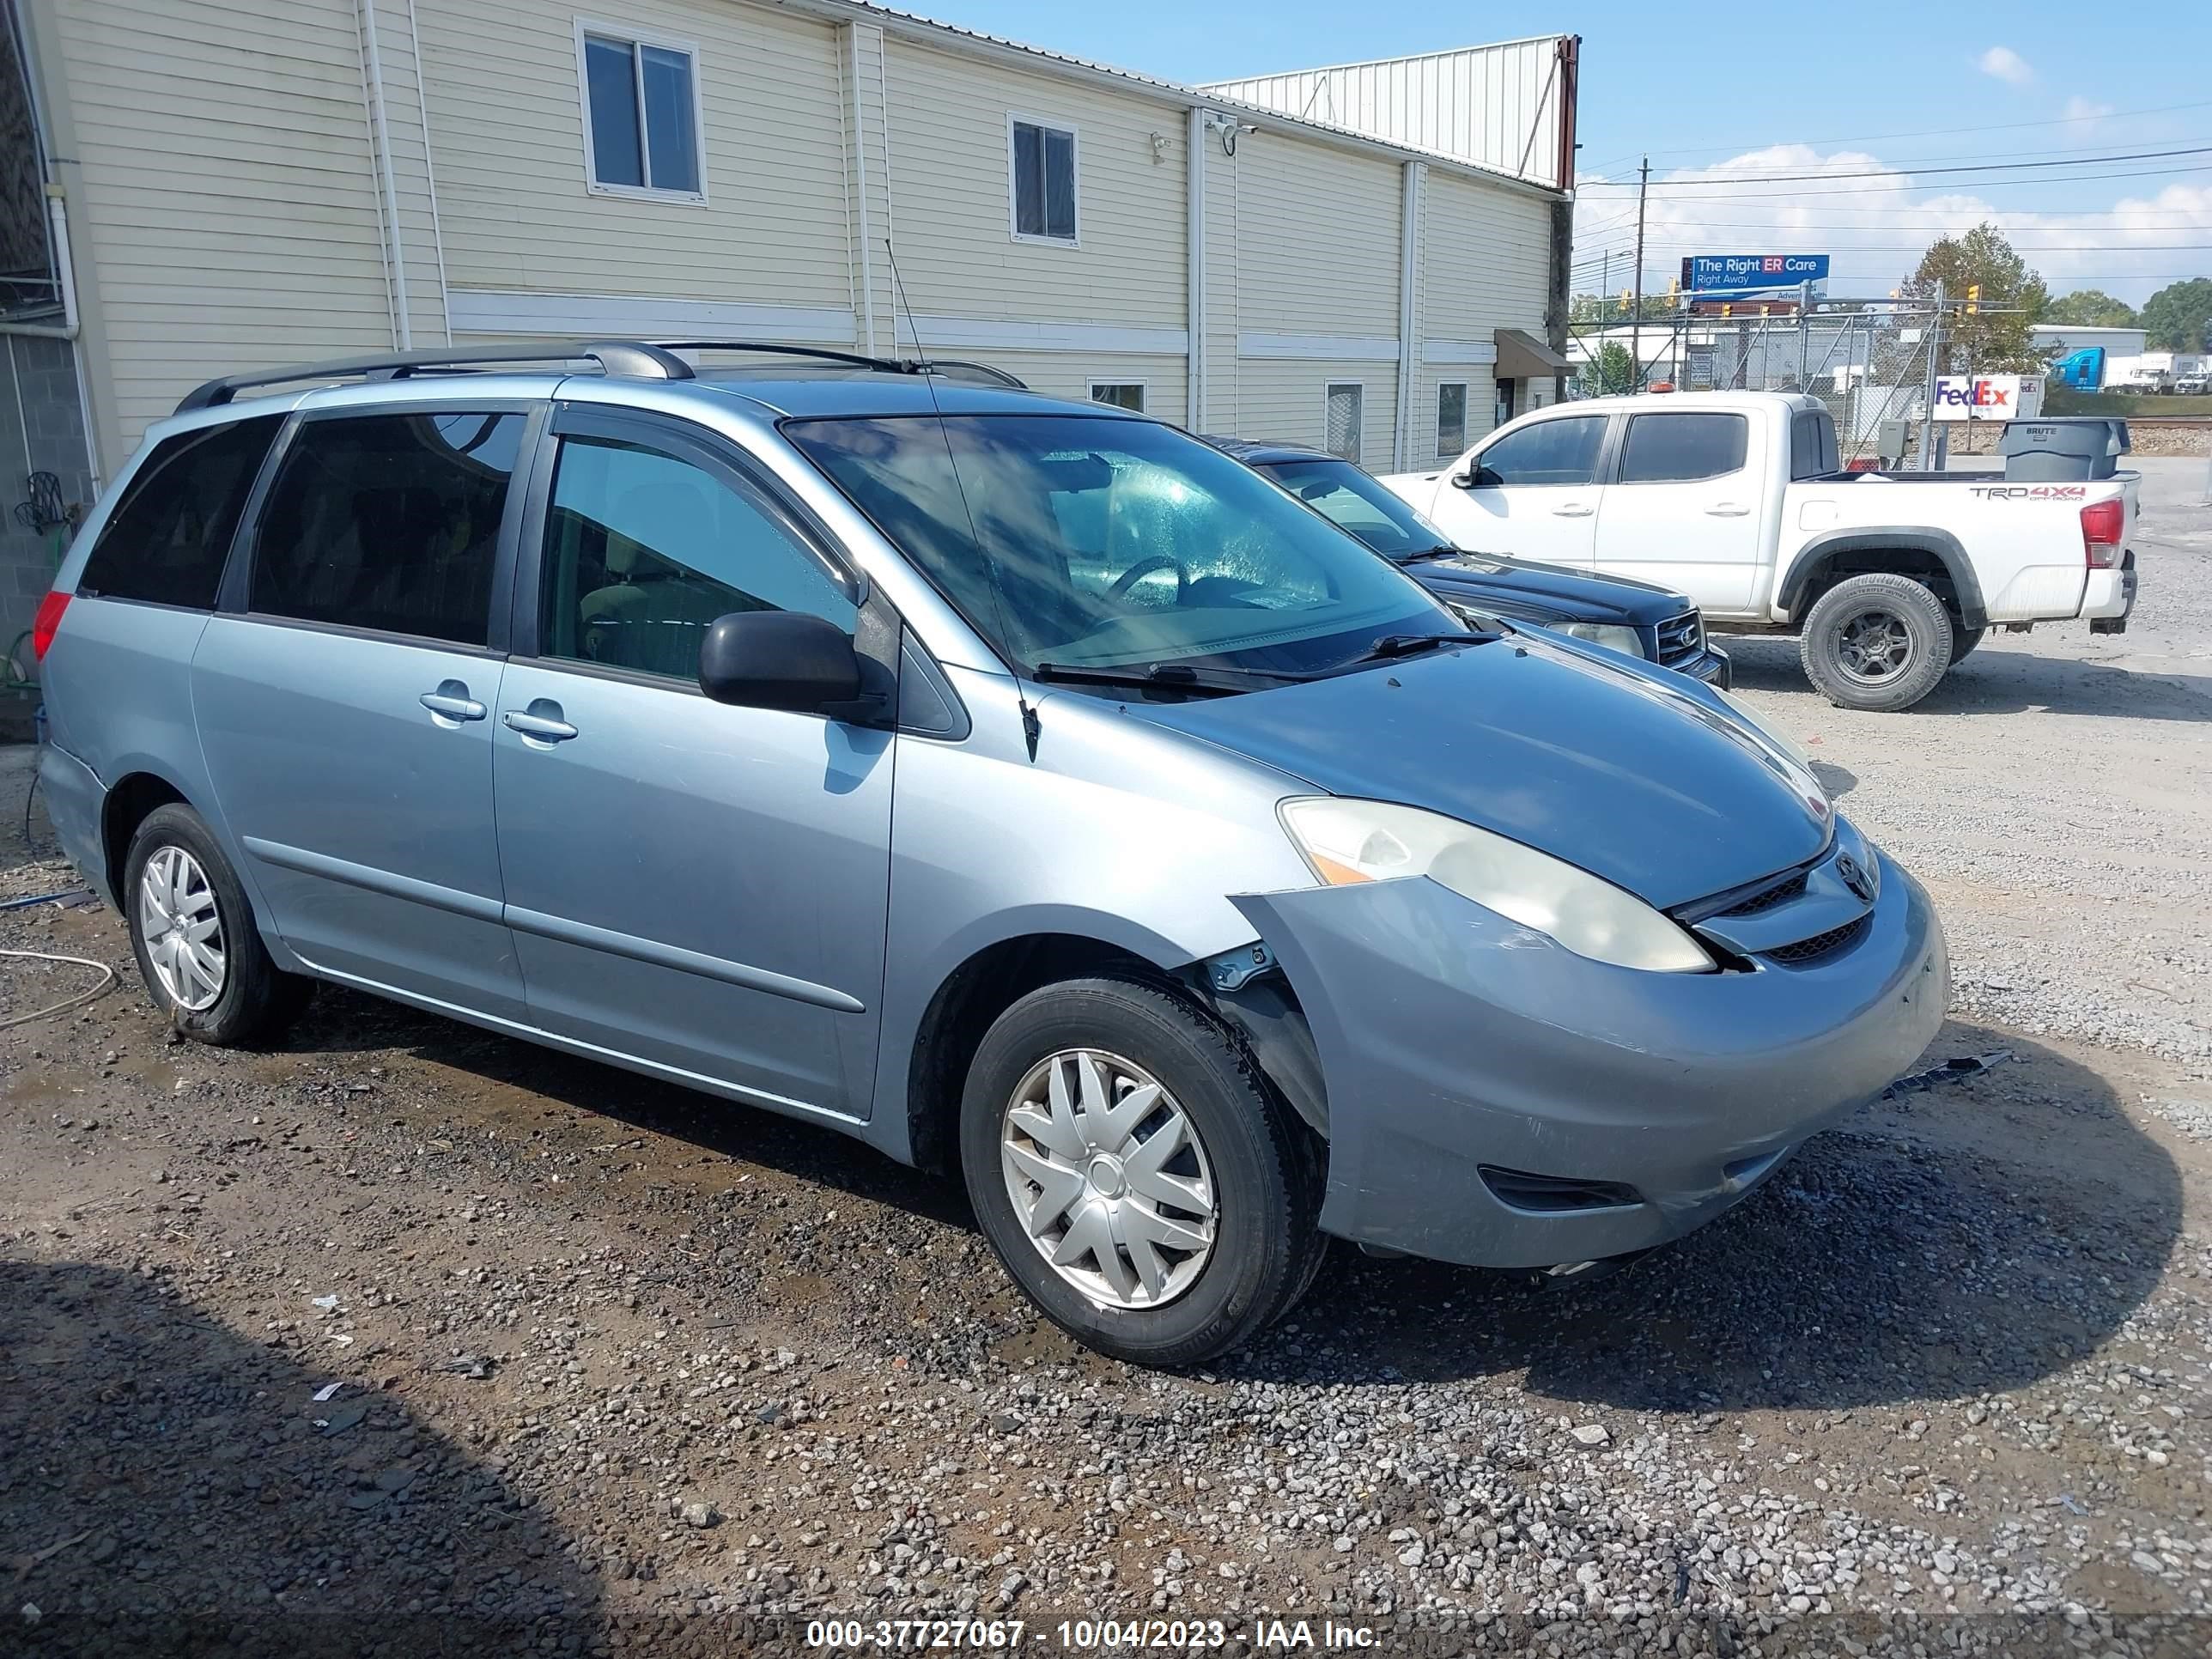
x=1878 y=642
x=1963 y=639
x=1139 y=1184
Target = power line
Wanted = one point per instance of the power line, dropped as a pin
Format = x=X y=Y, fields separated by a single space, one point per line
x=1974 y=185
x=1901 y=172
x=1927 y=132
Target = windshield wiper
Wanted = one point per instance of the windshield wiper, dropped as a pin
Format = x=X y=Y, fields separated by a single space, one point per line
x=1422 y=555
x=1405 y=645
x=1158 y=677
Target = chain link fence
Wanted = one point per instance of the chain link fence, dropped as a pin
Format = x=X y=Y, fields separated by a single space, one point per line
x=1869 y=363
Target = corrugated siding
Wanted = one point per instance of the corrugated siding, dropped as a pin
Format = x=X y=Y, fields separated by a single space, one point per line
x=506 y=119
x=231 y=205
x=1495 y=107
x=1485 y=265
x=950 y=172
x=1288 y=400
x=1069 y=375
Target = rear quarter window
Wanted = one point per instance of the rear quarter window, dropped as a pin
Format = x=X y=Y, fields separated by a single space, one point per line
x=1678 y=448
x=167 y=538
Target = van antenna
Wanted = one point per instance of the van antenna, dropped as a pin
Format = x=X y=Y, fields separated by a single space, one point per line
x=1030 y=728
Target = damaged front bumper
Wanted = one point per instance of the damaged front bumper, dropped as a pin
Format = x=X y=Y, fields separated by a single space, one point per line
x=1495 y=1100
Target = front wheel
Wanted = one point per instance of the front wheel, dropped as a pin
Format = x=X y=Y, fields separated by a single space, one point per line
x=1878 y=642
x=1144 y=1189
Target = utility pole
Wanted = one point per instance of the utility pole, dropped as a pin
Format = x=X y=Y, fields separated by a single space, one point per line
x=1636 y=324
x=1935 y=346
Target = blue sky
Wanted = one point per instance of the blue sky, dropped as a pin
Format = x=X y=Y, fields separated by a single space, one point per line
x=1875 y=85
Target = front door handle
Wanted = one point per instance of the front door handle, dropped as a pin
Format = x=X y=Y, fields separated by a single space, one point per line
x=1571 y=510
x=541 y=720
x=1727 y=510
x=452 y=700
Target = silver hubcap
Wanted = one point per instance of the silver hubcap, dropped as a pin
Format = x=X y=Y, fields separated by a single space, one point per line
x=1109 y=1179
x=182 y=928
x=1875 y=645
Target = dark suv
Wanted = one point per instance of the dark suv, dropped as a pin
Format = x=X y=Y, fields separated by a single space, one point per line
x=1636 y=617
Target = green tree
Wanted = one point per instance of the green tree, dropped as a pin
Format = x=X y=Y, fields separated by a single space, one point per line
x=1995 y=337
x=1612 y=371
x=2178 y=317
x=2091 y=307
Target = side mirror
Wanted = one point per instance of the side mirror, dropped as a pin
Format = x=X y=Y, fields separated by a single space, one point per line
x=785 y=659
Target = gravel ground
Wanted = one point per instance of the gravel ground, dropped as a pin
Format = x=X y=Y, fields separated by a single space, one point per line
x=612 y=1367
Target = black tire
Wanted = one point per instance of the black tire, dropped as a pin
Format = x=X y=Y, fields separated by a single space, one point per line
x=1266 y=1168
x=1877 y=619
x=1963 y=639
x=257 y=999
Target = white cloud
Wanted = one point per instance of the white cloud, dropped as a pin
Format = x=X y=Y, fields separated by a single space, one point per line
x=2006 y=64
x=1875 y=229
x=2083 y=114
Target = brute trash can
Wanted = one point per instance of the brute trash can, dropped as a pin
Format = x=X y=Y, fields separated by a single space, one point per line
x=2063 y=448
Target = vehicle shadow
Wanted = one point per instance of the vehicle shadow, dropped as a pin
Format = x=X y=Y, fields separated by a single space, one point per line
x=1973 y=1237
x=2009 y=681
x=167 y=1489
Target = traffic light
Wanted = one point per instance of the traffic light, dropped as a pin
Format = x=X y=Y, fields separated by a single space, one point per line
x=1974 y=298
x=1727 y=310
x=1628 y=299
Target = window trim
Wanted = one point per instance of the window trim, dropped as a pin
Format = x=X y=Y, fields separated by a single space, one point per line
x=1329 y=388
x=1460 y=447
x=1049 y=124
x=1144 y=395
x=1618 y=472
x=634 y=37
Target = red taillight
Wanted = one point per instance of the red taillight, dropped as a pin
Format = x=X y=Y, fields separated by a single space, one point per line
x=48 y=619
x=2104 y=526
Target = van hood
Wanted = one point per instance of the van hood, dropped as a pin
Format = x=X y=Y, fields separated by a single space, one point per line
x=1650 y=785
x=1521 y=587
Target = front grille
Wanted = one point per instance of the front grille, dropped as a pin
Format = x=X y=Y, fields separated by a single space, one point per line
x=1821 y=944
x=1680 y=638
x=1782 y=893
x=1555 y=1194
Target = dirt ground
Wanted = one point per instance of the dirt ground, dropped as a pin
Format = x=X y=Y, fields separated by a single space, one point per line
x=611 y=1367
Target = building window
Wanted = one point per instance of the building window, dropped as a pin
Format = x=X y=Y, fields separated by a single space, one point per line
x=1347 y=401
x=1122 y=394
x=640 y=114
x=1451 y=418
x=1043 y=182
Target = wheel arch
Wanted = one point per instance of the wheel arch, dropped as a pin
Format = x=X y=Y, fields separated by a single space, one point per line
x=129 y=801
x=1916 y=550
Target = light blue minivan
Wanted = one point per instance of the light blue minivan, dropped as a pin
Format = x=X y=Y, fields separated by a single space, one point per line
x=1018 y=785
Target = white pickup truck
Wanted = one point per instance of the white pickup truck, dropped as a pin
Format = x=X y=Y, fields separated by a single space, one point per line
x=1737 y=499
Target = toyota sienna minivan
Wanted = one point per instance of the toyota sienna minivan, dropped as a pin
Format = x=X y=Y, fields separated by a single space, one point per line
x=1022 y=787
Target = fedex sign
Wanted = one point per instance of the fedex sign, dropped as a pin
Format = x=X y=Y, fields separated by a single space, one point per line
x=1988 y=397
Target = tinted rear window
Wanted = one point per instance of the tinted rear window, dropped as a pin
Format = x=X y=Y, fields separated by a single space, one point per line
x=1672 y=448
x=167 y=538
x=389 y=522
x=1812 y=445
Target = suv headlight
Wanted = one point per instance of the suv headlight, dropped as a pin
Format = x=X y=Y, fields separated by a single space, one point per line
x=1354 y=840
x=1625 y=640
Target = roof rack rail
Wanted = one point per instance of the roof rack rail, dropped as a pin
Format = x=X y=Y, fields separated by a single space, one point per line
x=858 y=360
x=631 y=357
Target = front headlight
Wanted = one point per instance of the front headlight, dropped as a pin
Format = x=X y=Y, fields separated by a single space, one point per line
x=1604 y=634
x=1354 y=840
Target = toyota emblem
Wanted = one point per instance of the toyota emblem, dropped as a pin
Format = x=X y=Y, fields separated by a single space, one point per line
x=1855 y=877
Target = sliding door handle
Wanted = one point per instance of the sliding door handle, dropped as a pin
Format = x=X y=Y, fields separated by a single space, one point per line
x=544 y=727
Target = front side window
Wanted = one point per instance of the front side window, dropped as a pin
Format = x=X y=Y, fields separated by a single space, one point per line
x=1043 y=181
x=1346 y=412
x=1355 y=501
x=1122 y=394
x=1110 y=542
x=644 y=549
x=388 y=522
x=1679 y=448
x=642 y=114
x=167 y=538
x=1451 y=418
x=1561 y=451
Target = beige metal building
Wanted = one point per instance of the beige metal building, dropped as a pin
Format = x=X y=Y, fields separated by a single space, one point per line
x=219 y=184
